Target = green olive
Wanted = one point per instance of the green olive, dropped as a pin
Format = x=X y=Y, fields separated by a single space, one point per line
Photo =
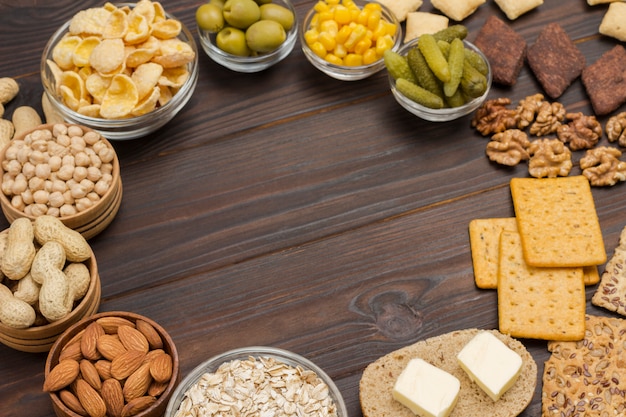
x=265 y=36
x=209 y=17
x=279 y=13
x=232 y=41
x=241 y=13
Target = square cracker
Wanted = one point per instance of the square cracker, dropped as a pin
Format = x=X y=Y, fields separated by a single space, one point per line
x=485 y=248
x=613 y=282
x=613 y=21
x=420 y=23
x=538 y=303
x=457 y=9
x=557 y=221
x=400 y=8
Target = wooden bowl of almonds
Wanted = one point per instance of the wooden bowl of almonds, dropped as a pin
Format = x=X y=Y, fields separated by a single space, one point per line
x=68 y=171
x=112 y=364
x=48 y=281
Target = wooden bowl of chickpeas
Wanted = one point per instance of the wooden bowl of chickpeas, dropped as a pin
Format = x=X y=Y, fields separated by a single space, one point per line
x=64 y=170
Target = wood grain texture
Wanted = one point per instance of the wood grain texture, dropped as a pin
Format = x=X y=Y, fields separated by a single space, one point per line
x=289 y=209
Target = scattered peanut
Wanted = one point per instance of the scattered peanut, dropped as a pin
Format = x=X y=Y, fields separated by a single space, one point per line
x=25 y=118
x=13 y=311
x=6 y=132
x=20 y=249
x=8 y=89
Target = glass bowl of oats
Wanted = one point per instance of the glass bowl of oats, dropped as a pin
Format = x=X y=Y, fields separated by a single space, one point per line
x=257 y=380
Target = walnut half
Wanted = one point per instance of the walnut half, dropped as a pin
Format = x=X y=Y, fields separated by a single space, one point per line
x=582 y=132
x=548 y=119
x=493 y=116
x=602 y=166
x=616 y=129
x=549 y=158
x=508 y=147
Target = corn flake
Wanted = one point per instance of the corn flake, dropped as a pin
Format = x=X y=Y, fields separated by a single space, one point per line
x=89 y=110
x=83 y=51
x=174 y=53
x=174 y=77
x=146 y=76
x=108 y=56
x=166 y=29
x=63 y=52
x=97 y=85
x=116 y=26
x=149 y=102
x=138 y=29
x=146 y=9
x=120 y=98
x=89 y=21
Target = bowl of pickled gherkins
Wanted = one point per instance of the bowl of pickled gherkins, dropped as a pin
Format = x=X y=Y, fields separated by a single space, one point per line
x=439 y=77
x=347 y=39
x=247 y=35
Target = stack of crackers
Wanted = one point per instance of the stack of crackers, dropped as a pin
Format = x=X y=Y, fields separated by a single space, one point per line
x=540 y=260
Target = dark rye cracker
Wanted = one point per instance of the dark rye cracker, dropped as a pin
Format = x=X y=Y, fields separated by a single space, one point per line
x=555 y=60
x=504 y=48
x=605 y=81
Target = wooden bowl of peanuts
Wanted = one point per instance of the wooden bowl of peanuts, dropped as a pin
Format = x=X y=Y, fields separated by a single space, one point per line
x=113 y=363
x=64 y=170
x=49 y=282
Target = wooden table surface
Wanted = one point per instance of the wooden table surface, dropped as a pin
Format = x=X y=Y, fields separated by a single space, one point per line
x=289 y=209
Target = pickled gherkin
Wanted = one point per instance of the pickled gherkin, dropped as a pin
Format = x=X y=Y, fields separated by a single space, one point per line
x=398 y=66
x=451 y=32
x=437 y=62
x=476 y=61
x=423 y=74
x=473 y=83
x=419 y=95
x=456 y=59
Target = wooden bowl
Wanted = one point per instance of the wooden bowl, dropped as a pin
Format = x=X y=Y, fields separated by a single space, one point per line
x=41 y=338
x=89 y=222
x=157 y=409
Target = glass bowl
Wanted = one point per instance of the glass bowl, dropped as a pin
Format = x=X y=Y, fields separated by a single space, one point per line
x=349 y=73
x=123 y=128
x=292 y=360
x=251 y=63
x=444 y=114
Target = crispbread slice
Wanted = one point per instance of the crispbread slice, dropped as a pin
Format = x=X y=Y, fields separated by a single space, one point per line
x=485 y=246
x=379 y=377
x=613 y=283
x=587 y=378
x=538 y=303
x=557 y=221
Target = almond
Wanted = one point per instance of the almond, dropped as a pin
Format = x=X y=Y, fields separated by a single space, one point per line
x=89 y=341
x=62 y=375
x=126 y=363
x=89 y=398
x=152 y=336
x=103 y=367
x=137 y=383
x=110 y=324
x=157 y=388
x=137 y=405
x=70 y=400
x=71 y=351
x=133 y=339
x=90 y=374
x=161 y=367
x=110 y=346
x=113 y=396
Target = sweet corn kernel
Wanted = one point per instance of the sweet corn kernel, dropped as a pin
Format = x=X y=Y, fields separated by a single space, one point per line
x=311 y=36
x=333 y=59
x=318 y=49
x=362 y=17
x=391 y=28
x=321 y=6
x=373 y=7
x=327 y=40
x=343 y=34
x=374 y=19
x=329 y=26
x=332 y=2
x=383 y=43
x=353 y=60
x=362 y=45
x=327 y=15
x=369 y=57
x=357 y=34
x=341 y=14
x=340 y=51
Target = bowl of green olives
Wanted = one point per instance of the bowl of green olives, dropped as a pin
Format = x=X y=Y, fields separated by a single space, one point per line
x=247 y=35
x=346 y=40
x=419 y=88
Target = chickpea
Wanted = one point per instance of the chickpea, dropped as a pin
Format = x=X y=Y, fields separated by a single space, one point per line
x=41 y=197
x=102 y=187
x=83 y=204
x=80 y=173
x=43 y=135
x=63 y=140
x=74 y=130
x=54 y=211
x=27 y=197
x=67 y=210
x=39 y=146
x=22 y=155
x=78 y=191
x=59 y=129
x=56 y=199
x=38 y=209
x=93 y=174
x=65 y=172
x=55 y=163
x=19 y=184
x=93 y=196
x=13 y=167
x=7 y=185
x=36 y=184
x=17 y=202
x=29 y=170
x=81 y=159
x=58 y=185
x=43 y=171
x=91 y=138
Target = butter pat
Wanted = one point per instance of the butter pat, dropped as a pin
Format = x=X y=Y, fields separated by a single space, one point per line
x=426 y=390
x=490 y=363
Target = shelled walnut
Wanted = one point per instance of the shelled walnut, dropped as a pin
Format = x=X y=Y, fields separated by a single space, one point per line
x=494 y=117
x=549 y=158
x=602 y=166
x=582 y=132
x=527 y=109
x=549 y=118
x=616 y=129
x=509 y=147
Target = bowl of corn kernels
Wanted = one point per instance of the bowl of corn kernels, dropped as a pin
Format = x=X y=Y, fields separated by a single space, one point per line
x=346 y=40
